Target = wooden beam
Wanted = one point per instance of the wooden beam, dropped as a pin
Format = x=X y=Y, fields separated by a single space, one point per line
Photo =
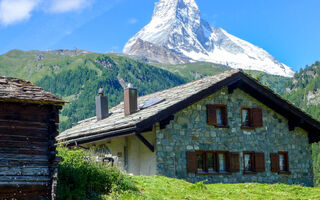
x=166 y=121
x=232 y=87
x=145 y=142
x=294 y=123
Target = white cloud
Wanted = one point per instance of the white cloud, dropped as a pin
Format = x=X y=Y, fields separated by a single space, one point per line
x=61 y=6
x=133 y=21
x=13 y=11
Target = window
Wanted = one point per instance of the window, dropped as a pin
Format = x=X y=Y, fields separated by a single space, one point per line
x=280 y=162
x=200 y=163
x=283 y=162
x=251 y=118
x=222 y=162
x=212 y=162
x=248 y=158
x=217 y=115
x=246 y=117
x=248 y=162
x=253 y=162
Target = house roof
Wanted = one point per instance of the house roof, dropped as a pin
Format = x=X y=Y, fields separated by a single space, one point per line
x=18 y=90
x=178 y=98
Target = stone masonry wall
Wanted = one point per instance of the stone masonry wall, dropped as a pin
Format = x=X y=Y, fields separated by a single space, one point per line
x=189 y=132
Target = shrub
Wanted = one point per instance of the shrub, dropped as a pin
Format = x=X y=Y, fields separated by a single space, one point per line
x=82 y=179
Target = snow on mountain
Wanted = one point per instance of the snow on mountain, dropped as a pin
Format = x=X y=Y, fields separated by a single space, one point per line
x=177 y=26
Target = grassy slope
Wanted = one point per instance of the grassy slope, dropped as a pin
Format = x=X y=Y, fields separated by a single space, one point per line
x=193 y=71
x=157 y=187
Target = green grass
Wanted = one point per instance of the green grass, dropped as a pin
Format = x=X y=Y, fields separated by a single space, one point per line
x=157 y=187
x=193 y=71
x=197 y=70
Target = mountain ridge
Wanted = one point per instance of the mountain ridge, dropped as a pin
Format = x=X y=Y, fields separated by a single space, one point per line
x=177 y=26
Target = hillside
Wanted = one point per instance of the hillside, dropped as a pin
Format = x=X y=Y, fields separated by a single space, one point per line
x=197 y=70
x=304 y=91
x=157 y=187
x=76 y=75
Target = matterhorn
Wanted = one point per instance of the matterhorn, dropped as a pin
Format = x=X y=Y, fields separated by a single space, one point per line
x=177 y=34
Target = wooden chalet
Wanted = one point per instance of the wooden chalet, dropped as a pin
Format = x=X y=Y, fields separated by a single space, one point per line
x=29 y=119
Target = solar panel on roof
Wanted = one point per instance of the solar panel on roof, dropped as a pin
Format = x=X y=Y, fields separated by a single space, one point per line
x=151 y=102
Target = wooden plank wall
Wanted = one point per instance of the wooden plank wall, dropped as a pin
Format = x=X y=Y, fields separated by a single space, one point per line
x=27 y=152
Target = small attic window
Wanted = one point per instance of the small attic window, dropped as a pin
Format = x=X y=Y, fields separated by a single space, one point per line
x=151 y=102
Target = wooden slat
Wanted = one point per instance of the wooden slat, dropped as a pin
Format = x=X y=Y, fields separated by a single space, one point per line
x=234 y=162
x=15 y=123
x=30 y=179
x=257 y=119
x=22 y=138
x=36 y=117
x=23 y=157
x=24 y=192
x=24 y=171
x=26 y=163
x=259 y=162
x=25 y=150
x=25 y=128
x=274 y=157
x=10 y=107
x=211 y=115
x=20 y=131
x=12 y=144
x=192 y=162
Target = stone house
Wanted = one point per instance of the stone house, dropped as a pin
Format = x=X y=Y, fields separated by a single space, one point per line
x=226 y=128
x=29 y=119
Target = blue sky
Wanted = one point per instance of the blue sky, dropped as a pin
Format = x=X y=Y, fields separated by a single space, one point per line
x=288 y=29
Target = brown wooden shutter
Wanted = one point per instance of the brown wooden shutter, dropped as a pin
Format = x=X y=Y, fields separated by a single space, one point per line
x=259 y=162
x=225 y=115
x=257 y=120
x=287 y=161
x=211 y=115
x=227 y=160
x=234 y=162
x=191 y=162
x=274 y=157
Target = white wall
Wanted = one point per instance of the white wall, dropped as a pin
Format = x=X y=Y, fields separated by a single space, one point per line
x=140 y=159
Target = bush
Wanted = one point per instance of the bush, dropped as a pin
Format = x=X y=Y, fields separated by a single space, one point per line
x=81 y=179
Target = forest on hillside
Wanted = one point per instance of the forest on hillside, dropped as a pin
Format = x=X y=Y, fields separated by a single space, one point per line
x=304 y=91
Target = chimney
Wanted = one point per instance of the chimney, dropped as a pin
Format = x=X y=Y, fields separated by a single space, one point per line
x=130 y=100
x=102 y=105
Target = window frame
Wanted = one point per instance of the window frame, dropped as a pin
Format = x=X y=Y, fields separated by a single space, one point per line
x=224 y=115
x=203 y=162
x=252 y=162
x=250 y=118
x=253 y=123
x=217 y=170
x=215 y=162
x=226 y=160
x=286 y=162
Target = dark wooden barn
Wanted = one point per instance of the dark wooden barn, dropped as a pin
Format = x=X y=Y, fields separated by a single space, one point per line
x=29 y=119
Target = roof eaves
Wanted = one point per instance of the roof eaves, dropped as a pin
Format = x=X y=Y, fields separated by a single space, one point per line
x=97 y=136
x=297 y=111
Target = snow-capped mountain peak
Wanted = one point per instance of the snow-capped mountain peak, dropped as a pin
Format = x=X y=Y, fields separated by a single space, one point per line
x=177 y=26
